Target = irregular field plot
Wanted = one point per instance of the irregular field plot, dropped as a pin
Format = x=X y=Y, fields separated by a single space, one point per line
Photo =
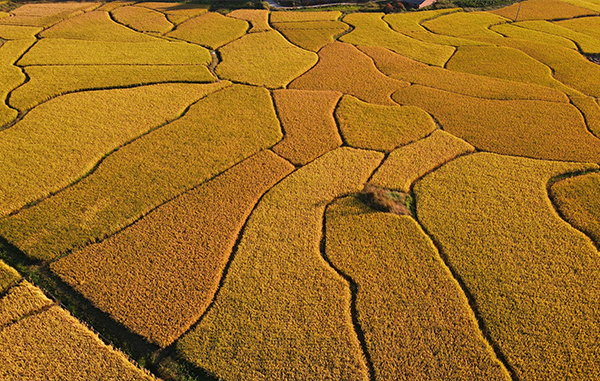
x=585 y=25
x=586 y=43
x=465 y=24
x=11 y=75
x=21 y=300
x=8 y=276
x=514 y=31
x=311 y=35
x=143 y=19
x=177 y=12
x=304 y=16
x=211 y=30
x=590 y=109
x=18 y=32
x=46 y=14
x=542 y=10
x=258 y=18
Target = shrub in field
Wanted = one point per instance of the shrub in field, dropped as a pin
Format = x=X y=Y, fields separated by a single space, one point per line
x=542 y=10
x=465 y=24
x=142 y=19
x=586 y=43
x=311 y=35
x=53 y=345
x=21 y=300
x=343 y=68
x=585 y=25
x=533 y=278
x=308 y=122
x=371 y=30
x=218 y=131
x=211 y=30
x=591 y=111
x=283 y=312
x=279 y=17
x=545 y=130
x=577 y=200
x=57 y=51
x=46 y=82
x=8 y=276
x=18 y=32
x=264 y=59
x=46 y=14
x=406 y=164
x=381 y=128
x=258 y=18
x=513 y=31
x=178 y=252
x=63 y=139
x=386 y=200
x=480 y=86
x=416 y=320
x=11 y=75
x=94 y=26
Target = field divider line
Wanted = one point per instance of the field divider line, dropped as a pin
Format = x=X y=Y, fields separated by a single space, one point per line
x=585 y=119
x=28 y=314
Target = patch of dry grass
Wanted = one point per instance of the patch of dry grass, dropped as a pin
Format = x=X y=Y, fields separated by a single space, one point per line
x=53 y=345
x=343 y=68
x=407 y=164
x=417 y=322
x=465 y=24
x=143 y=19
x=371 y=30
x=481 y=86
x=542 y=10
x=585 y=25
x=532 y=276
x=539 y=129
x=283 y=312
x=586 y=43
x=381 y=128
x=8 y=276
x=258 y=18
x=577 y=200
x=46 y=14
x=591 y=111
x=311 y=35
x=283 y=16
x=264 y=59
x=21 y=300
x=18 y=32
x=308 y=122
x=11 y=75
x=211 y=30
x=61 y=140
x=177 y=12
x=178 y=252
x=218 y=131
x=46 y=82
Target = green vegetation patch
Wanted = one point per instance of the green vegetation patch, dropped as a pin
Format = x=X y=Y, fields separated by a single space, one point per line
x=47 y=82
x=218 y=131
x=381 y=128
x=542 y=10
x=465 y=24
x=283 y=16
x=416 y=320
x=211 y=30
x=264 y=59
x=577 y=200
x=311 y=35
x=61 y=140
x=531 y=275
x=11 y=75
x=586 y=43
x=283 y=312
x=21 y=300
x=57 y=51
x=308 y=122
x=258 y=18
x=343 y=68
x=371 y=30
x=8 y=276
x=178 y=252
x=143 y=19
x=409 y=163
x=53 y=345
x=46 y=14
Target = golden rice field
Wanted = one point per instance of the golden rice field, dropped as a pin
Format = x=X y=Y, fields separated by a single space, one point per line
x=194 y=193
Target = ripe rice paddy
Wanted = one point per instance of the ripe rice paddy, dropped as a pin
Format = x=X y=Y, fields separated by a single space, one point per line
x=191 y=182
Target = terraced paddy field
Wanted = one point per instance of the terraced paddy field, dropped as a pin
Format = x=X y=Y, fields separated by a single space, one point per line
x=195 y=194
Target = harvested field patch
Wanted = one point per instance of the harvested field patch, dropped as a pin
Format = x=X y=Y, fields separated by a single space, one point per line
x=264 y=59
x=381 y=128
x=465 y=24
x=211 y=30
x=343 y=68
x=577 y=200
x=46 y=82
x=94 y=26
x=11 y=75
x=585 y=25
x=53 y=345
x=284 y=16
x=178 y=252
x=46 y=14
x=21 y=300
x=218 y=131
x=416 y=319
x=279 y=288
x=177 y=12
x=533 y=278
x=258 y=18
x=542 y=10
x=18 y=32
x=143 y=19
x=56 y=51
x=8 y=276
x=311 y=35
x=591 y=111
x=63 y=139
x=586 y=43
x=545 y=130
x=371 y=30
x=308 y=122
x=406 y=164
x=514 y=31
x=480 y=86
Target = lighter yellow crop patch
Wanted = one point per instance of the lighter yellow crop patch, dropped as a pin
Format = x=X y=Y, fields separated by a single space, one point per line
x=371 y=30
x=416 y=320
x=409 y=163
x=280 y=16
x=8 y=276
x=18 y=32
x=61 y=140
x=465 y=24
x=211 y=30
x=217 y=132
x=542 y=10
x=21 y=300
x=586 y=43
x=343 y=68
x=46 y=82
x=311 y=35
x=279 y=288
x=258 y=18
x=46 y=14
x=143 y=19
x=264 y=59
x=593 y=5
x=523 y=265
x=381 y=128
x=539 y=129
x=514 y=31
x=585 y=25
